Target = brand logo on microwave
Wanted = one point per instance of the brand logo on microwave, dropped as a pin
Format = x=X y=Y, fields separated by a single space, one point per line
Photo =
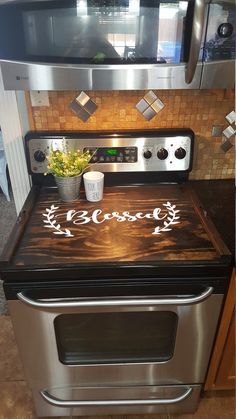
x=22 y=78
x=165 y=218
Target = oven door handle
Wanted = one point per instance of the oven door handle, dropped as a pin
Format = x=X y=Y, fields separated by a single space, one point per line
x=95 y=403
x=113 y=302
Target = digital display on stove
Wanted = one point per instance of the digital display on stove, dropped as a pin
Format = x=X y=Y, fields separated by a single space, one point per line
x=111 y=151
x=113 y=154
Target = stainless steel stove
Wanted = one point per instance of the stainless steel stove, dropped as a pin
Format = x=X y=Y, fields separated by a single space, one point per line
x=115 y=304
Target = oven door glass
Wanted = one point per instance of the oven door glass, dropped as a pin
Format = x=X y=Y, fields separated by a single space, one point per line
x=106 y=338
x=93 y=32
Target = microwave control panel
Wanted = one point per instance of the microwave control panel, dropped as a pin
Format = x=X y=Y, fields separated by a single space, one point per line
x=220 y=34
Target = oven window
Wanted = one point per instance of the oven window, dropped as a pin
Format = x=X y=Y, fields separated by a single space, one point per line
x=105 y=338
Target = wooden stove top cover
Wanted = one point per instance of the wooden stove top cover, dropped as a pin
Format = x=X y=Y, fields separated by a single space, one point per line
x=166 y=225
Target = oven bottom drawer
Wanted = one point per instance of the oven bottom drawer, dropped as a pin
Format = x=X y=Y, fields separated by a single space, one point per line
x=85 y=401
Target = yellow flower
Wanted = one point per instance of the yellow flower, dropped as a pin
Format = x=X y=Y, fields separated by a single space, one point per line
x=68 y=163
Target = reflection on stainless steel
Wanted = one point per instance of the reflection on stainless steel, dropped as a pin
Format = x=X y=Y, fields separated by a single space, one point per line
x=218 y=74
x=148 y=32
x=106 y=46
x=194 y=337
x=196 y=38
x=171 y=144
x=99 y=304
x=116 y=394
x=30 y=76
x=76 y=403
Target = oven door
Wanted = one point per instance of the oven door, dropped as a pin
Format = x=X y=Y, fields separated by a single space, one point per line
x=156 y=347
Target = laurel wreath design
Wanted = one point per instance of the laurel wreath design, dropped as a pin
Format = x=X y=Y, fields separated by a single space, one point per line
x=51 y=223
x=172 y=219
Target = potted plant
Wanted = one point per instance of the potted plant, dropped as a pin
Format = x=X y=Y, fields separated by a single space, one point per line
x=67 y=166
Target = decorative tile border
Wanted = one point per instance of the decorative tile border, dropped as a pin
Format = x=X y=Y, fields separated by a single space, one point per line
x=229 y=132
x=83 y=106
x=149 y=105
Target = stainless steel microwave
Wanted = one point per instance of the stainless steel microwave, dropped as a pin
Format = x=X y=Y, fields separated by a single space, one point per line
x=117 y=44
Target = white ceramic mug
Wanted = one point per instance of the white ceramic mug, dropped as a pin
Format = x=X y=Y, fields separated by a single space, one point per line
x=93 y=184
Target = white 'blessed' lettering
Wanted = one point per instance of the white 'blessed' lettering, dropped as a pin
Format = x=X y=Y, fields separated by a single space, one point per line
x=98 y=217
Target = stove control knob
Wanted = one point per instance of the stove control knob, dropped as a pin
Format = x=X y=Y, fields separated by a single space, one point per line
x=147 y=154
x=162 y=154
x=39 y=156
x=180 y=153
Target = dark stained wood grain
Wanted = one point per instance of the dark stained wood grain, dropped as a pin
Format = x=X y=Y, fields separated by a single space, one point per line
x=113 y=241
x=19 y=227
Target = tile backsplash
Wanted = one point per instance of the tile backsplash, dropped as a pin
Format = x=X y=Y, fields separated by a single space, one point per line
x=199 y=110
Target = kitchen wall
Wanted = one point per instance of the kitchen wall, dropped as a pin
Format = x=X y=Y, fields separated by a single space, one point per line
x=195 y=109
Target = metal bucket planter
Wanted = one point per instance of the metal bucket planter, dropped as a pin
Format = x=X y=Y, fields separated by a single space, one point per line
x=68 y=187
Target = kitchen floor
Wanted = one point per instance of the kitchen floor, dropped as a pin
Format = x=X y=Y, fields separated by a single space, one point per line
x=16 y=401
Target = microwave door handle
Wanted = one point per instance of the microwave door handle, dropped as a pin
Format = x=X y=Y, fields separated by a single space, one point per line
x=113 y=302
x=196 y=38
x=95 y=403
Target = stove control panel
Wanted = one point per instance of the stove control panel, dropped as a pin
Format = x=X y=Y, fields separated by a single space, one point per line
x=113 y=154
x=117 y=152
